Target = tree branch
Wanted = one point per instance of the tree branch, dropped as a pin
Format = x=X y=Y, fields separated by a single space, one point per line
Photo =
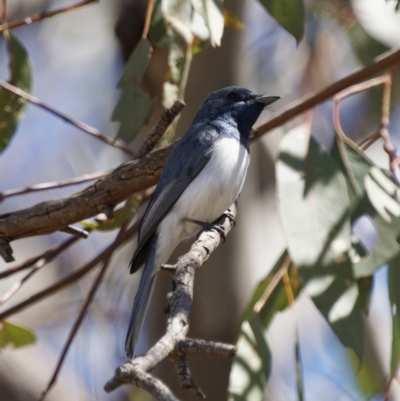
x=174 y=343
x=75 y=276
x=80 y=317
x=46 y=217
x=45 y=14
x=380 y=64
x=135 y=176
x=78 y=124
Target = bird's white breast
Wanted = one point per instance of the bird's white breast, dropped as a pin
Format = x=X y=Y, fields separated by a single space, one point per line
x=218 y=184
x=205 y=199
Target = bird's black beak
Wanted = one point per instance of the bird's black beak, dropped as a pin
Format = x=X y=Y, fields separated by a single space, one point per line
x=267 y=100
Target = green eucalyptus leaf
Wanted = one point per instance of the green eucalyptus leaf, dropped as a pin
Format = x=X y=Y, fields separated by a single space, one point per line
x=290 y=14
x=15 y=335
x=313 y=201
x=134 y=107
x=11 y=105
x=394 y=297
x=315 y=210
x=374 y=197
x=252 y=364
x=248 y=375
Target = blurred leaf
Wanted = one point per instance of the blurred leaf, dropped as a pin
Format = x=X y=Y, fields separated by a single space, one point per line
x=11 y=105
x=364 y=291
x=252 y=364
x=313 y=201
x=248 y=375
x=177 y=17
x=394 y=297
x=211 y=11
x=120 y=216
x=134 y=107
x=315 y=211
x=184 y=28
x=289 y=13
x=262 y=345
x=366 y=176
x=380 y=191
x=339 y=301
x=270 y=295
x=231 y=20
x=15 y=335
x=158 y=31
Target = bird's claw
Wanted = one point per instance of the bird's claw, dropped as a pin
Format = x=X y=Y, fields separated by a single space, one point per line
x=209 y=226
x=220 y=230
x=230 y=216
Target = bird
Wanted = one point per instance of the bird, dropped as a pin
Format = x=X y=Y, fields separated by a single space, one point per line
x=201 y=179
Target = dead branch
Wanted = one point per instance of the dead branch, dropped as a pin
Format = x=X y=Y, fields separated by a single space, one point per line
x=174 y=343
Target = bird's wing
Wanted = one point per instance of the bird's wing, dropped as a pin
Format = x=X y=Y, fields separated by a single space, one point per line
x=191 y=153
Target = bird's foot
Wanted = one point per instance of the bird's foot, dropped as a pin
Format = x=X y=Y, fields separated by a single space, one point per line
x=209 y=226
x=230 y=216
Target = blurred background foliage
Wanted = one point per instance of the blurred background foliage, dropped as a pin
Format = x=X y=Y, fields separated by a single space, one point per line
x=321 y=316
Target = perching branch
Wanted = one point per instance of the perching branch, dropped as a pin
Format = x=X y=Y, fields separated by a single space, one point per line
x=135 y=176
x=174 y=343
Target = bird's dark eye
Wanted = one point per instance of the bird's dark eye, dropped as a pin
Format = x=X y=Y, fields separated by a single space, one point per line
x=232 y=96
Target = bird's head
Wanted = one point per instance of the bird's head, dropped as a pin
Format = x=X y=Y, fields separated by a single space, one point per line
x=236 y=105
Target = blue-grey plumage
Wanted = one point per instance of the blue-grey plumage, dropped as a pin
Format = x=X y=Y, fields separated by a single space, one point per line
x=202 y=177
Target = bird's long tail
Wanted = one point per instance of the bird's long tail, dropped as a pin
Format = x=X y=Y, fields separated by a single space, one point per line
x=142 y=299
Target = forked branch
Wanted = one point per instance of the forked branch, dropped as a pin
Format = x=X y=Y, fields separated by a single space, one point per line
x=174 y=343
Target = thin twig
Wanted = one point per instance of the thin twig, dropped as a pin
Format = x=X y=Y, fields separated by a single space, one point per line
x=81 y=126
x=348 y=92
x=75 y=231
x=53 y=184
x=149 y=12
x=159 y=128
x=72 y=277
x=370 y=140
x=380 y=64
x=46 y=257
x=388 y=145
x=386 y=81
x=80 y=317
x=3 y=12
x=272 y=284
x=43 y=15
